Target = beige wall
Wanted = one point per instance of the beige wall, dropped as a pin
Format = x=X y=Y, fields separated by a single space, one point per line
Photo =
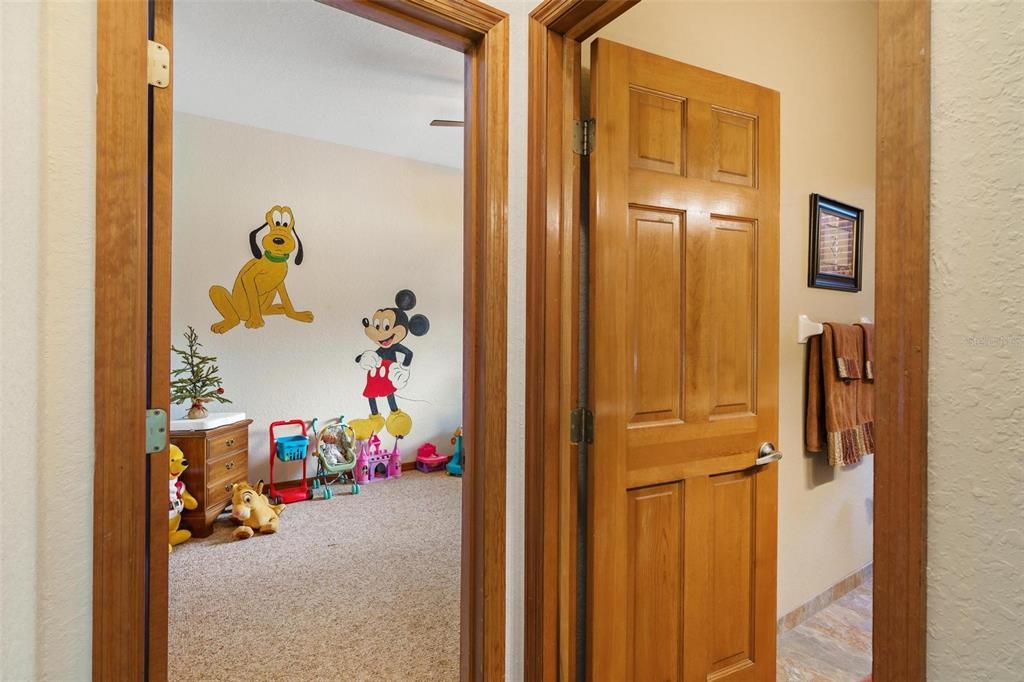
x=48 y=148
x=827 y=146
x=46 y=308
x=370 y=224
x=976 y=375
x=19 y=343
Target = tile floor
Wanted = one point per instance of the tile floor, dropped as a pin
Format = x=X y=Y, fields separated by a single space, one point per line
x=833 y=645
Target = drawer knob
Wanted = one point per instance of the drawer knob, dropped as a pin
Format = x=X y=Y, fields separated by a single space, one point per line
x=229 y=466
x=230 y=442
x=227 y=487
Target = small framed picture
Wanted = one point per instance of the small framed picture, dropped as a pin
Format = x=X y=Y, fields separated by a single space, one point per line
x=835 y=246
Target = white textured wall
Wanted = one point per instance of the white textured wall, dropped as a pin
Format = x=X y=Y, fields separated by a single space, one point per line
x=46 y=401
x=19 y=300
x=827 y=131
x=370 y=224
x=976 y=382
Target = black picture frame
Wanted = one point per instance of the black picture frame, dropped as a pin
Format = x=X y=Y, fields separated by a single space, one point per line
x=831 y=220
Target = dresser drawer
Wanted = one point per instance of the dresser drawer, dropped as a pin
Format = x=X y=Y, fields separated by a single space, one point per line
x=218 y=458
x=233 y=467
x=227 y=443
x=221 y=490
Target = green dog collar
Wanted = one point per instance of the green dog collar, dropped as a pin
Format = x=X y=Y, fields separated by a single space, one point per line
x=275 y=259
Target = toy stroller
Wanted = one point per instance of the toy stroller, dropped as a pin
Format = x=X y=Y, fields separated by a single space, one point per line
x=336 y=457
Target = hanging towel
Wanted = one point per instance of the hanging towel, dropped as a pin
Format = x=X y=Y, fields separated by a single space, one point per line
x=840 y=410
x=869 y=349
x=866 y=390
x=815 y=436
x=848 y=342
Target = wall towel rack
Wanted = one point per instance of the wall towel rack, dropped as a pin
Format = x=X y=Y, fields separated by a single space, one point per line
x=806 y=328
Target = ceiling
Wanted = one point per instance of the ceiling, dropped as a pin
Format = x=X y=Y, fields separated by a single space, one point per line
x=299 y=67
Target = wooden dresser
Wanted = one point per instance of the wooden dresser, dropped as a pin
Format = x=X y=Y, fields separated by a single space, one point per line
x=217 y=458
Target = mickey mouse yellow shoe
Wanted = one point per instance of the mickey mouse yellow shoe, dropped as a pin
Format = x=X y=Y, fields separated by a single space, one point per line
x=362 y=429
x=399 y=424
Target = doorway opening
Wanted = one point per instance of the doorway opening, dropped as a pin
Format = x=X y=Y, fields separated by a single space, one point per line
x=662 y=139
x=133 y=326
x=337 y=343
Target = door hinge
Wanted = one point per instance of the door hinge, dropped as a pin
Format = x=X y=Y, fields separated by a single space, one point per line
x=583 y=137
x=156 y=431
x=158 y=65
x=581 y=426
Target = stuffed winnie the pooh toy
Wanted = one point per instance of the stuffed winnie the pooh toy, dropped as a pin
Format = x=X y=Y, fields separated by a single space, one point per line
x=179 y=498
x=251 y=508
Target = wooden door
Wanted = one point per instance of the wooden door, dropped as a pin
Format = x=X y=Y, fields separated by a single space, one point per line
x=683 y=371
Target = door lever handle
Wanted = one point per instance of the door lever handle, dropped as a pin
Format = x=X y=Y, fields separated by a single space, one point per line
x=767 y=454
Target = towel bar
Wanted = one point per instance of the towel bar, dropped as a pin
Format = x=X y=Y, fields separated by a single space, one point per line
x=806 y=328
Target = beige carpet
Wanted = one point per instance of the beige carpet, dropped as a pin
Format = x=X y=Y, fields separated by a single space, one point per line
x=362 y=587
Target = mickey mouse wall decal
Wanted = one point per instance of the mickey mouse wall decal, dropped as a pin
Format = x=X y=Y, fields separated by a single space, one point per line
x=261 y=280
x=385 y=374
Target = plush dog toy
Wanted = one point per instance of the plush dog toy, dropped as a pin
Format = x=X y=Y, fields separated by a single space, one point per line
x=179 y=498
x=251 y=508
x=261 y=279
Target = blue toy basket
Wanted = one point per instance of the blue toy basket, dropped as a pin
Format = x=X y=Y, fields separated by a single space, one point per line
x=292 y=448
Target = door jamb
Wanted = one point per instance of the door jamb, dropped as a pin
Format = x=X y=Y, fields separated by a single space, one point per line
x=124 y=198
x=557 y=27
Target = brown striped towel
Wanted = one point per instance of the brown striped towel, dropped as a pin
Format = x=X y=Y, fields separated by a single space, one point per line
x=849 y=350
x=840 y=411
x=869 y=349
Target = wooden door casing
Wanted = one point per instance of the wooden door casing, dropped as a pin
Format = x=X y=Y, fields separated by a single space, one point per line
x=684 y=371
x=159 y=339
x=903 y=52
x=129 y=633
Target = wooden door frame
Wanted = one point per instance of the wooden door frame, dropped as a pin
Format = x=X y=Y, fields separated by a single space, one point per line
x=557 y=27
x=128 y=187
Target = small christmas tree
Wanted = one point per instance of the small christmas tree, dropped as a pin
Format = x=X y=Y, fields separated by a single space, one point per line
x=197 y=381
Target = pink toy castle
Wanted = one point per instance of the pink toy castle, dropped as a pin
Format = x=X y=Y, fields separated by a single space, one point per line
x=374 y=462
